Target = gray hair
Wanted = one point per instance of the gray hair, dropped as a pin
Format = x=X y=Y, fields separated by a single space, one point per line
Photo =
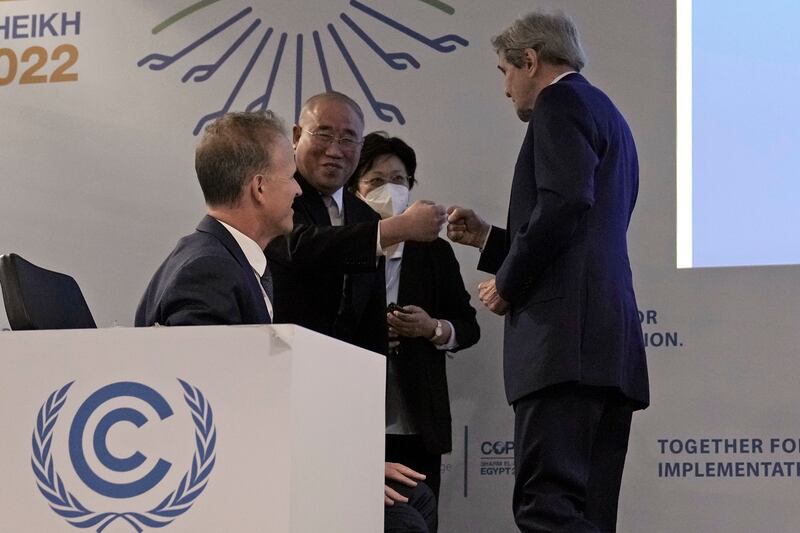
x=554 y=37
x=231 y=150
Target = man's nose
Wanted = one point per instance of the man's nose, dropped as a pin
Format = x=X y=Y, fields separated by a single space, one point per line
x=334 y=150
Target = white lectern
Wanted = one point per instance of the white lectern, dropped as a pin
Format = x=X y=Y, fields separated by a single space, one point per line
x=193 y=429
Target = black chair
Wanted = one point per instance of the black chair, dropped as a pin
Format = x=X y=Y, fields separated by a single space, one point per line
x=36 y=298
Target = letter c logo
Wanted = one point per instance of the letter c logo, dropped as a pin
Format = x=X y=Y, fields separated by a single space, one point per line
x=117 y=464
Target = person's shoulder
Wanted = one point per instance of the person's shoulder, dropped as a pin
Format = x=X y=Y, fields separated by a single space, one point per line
x=563 y=92
x=438 y=248
x=214 y=264
x=575 y=98
x=201 y=252
x=199 y=244
x=440 y=245
x=206 y=272
x=359 y=209
x=444 y=251
x=573 y=91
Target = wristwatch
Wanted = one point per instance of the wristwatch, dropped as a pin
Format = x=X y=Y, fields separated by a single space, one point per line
x=437 y=331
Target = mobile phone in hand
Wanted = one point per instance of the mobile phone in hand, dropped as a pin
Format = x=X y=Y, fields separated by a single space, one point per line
x=394 y=307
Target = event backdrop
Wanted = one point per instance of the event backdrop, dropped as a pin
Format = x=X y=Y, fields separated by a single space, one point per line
x=100 y=105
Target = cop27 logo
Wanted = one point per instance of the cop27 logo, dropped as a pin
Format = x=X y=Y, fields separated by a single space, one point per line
x=239 y=26
x=65 y=504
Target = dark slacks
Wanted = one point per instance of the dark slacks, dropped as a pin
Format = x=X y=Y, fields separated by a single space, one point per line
x=570 y=443
x=410 y=451
x=416 y=516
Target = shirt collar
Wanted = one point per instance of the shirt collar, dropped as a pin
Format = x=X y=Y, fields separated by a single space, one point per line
x=398 y=252
x=252 y=251
x=560 y=76
x=337 y=197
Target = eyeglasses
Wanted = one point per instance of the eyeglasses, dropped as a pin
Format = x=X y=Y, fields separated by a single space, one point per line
x=377 y=181
x=326 y=139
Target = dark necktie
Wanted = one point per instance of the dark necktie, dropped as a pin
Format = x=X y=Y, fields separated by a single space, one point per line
x=266 y=282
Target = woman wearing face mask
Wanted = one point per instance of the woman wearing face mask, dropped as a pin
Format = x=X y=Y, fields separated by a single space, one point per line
x=429 y=315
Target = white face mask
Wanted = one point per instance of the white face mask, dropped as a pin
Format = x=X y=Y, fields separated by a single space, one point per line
x=388 y=200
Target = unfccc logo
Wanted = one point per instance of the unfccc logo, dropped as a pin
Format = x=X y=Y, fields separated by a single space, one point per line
x=65 y=504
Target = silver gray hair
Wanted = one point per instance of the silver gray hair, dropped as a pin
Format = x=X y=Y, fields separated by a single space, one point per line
x=554 y=37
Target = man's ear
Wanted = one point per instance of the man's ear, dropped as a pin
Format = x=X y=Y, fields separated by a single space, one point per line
x=258 y=187
x=531 y=61
x=297 y=131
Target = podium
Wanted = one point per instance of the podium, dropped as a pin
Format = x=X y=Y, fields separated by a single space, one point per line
x=190 y=429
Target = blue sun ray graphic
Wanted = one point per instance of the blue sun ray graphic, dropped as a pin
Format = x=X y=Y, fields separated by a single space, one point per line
x=324 y=44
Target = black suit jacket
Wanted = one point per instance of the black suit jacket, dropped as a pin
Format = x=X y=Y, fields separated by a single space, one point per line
x=430 y=278
x=206 y=280
x=563 y=263
x=328 y=278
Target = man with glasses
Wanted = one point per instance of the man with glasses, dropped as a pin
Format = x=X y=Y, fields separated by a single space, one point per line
x=328 y=273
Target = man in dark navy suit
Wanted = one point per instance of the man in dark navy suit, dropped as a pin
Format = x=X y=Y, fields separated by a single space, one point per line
x=218 y=274
x=574 y=359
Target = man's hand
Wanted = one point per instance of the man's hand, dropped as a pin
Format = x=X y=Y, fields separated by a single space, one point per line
x=422 y=221
x=464 y=226
x=401 y=474
x=414 y=322
x=487 y=292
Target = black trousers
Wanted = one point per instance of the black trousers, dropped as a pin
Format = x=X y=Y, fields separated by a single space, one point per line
x=570 y=443
x=416 y=516
x=410 y=451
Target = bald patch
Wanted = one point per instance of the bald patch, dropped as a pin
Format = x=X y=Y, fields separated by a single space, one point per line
x=341 y=98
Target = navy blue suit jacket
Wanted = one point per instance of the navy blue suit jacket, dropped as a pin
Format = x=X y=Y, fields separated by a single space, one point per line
x=563 y=261
x=206 y=280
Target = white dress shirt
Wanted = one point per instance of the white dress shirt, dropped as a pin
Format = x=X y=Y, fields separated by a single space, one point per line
x=254 y=255
x=335 y=207
x=558 y=78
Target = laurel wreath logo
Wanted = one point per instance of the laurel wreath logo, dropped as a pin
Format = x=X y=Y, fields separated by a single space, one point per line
x=66 y=505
